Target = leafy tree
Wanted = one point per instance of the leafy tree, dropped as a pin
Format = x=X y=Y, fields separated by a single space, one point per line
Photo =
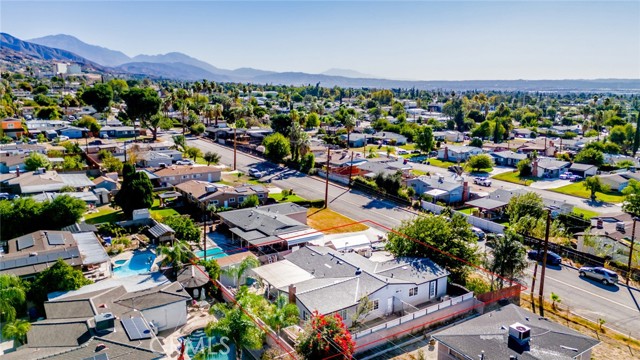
x=16 y=330
x=282 y=314
x=48 y=112
x=362 y=310
x=631 y=202
x=313 y=121
x=143 y=104
x=184 y=227
x=62 y=211
x=176 y=255
x=211 y=157
x=237 y=272
x=349 y=125
x=12 y=295
x=250 y=201
x=197 y=129
x=307 y=163
x=525 y=204
x=211 y=267
x=24 y=215
x=276 y=147
x=424 y=139
x=99 y=96
x=427 y=236
x=236 y=325
x=508 y=260
x=484 y=130
x=281 y=123
x=193 y=152
x=593 y=184
x=180 y=142
x=112 y=164
x=480 y=161
x=325 y=336
x=90 y=123
x=136 y=191
x=555 y=300
x=524 y=166
x=476 y=142
x=590 y=156
x=36 y=160
x=59 y=277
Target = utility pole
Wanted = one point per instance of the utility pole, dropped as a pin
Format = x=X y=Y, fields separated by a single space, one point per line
x=544 y=263
x=350 y=169
x=633 y=239
x=326 y=185
x=125 y=151
x=364 y=148
x=234 y=148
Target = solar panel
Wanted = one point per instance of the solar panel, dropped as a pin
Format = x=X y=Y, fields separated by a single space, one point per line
x=241 y=190
x=102 y=356
x=136 y=328
x=25 y=242
x=55 y=239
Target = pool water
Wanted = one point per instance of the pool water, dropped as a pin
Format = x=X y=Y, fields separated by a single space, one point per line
x=212 y=253
x=198 y=341
x=139 y=263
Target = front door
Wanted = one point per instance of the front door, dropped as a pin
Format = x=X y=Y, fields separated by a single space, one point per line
x=390 y=305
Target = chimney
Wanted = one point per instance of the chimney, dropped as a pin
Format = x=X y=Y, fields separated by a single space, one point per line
x=18 y=171
x=465 y=191
x=292 y=294
x=534 y=168
x=446 y=153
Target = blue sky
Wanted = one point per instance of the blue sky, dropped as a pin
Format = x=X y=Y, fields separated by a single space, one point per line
x=421 y=40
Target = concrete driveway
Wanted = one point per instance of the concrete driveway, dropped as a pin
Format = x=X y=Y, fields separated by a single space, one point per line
x=549 y=183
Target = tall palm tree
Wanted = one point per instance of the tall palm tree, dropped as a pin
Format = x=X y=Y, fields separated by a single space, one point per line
x=208 y=113
x=16 y=330
x=508 y=258
x=176 y=256
x=236 y=272
x=237 y=326
x=349 y=124
x=217 y=112
x=299 y=139
x=283 y=314
x=12 y=294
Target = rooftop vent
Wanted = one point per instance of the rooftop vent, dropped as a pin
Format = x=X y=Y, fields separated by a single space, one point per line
x=620 y=226
x=211 y=188
x=520 y=333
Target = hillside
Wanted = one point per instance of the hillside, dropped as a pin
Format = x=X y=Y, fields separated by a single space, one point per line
x=97 y=54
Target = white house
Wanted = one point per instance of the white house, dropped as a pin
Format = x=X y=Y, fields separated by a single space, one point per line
x=457 y=153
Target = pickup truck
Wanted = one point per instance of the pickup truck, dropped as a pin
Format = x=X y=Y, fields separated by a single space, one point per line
x=482 y=181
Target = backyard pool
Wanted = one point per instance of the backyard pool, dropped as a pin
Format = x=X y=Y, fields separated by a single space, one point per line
x=198 y=341
x=139 y=263
x=212 y=253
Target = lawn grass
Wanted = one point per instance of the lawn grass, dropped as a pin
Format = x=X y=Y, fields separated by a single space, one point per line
x=104 y=214
x=577 y=189
x=467 y=210
x=514 y=177
x=417 y=172
x=162 y=212
x=323 y=219
x=235 y=180
x=291 y=198
x=588 y=214
x=441 y=163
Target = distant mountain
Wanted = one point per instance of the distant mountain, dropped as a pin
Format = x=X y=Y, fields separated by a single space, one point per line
x=347 y=73
x=249 y=72
x=176 y=70
x=98 y=54
x=38 y=51
x=176 y=57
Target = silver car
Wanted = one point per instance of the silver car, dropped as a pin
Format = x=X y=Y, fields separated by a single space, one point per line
x=606 y=276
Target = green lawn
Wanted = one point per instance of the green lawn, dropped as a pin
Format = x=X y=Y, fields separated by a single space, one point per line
x=105 y=214
x=441 y=163
x=577 y=189
x=163 y=212
x=417 y=172
x=467 y=210
x=514 y=177
x=588 y=214
x=290 y=198
x=486 y=170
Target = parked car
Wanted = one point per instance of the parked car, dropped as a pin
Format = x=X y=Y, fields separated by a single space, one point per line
x=606 y=276
x=95 y=142
x=62 y=138
x=479 y=233
x=185 y=162
x=552 y=258
x=256 y=173
x=575 y=178
x=482 y=181
x=566 y=176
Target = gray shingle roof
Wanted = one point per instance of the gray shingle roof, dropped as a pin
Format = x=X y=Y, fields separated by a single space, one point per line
x=160 y=229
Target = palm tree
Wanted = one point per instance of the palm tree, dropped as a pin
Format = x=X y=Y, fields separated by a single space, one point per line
x=217 y=112
x=236 y=325
x=349 y=124
x=236 y=272
x=16 y=330
x=508 y=258
x=176 y=255
x=211 y=157
x=299 y=140
x=12 y=294
x=283 y=314
x=555 y=299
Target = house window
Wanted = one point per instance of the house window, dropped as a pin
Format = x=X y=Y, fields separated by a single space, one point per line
x=260 y=196
x=457 y=355
x=342 y=313
x=413 y=291
x=215 y=202
x=375 y=304
x=241 y=199
x=432 y=289
x=305 y=315
x=232 y=200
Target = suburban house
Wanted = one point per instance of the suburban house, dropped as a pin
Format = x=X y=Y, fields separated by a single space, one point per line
x=31 y=253
x=389 y=138
x=493 y=147
x=504 y=196
x=507 y=158
x=12 y=163
x=203 y=194
x=356 y=140
x=512 y=332
x=12 y=128
x=615 y=182
x=583 y=170
x=153 y=159
x=119 y=132
x=176 y=174
x=111 y=317
x=42 y=180
x=449 y=135
x=457 y=153
x=325 y=280
x=372 y=168
x=548 y=168
x=107 y=183
x=270 y=227
x=440 y=188
x=522 y=133
x=542 y=146
x=89 y=197
x=609 y=236
x=16 y=149
x=73 y=132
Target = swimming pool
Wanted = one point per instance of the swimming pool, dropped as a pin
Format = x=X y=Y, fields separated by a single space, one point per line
x=212 y=253
x=139 y=263
x=198 y=341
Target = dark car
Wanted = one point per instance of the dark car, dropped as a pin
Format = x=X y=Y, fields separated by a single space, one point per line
x=552 y=258
x=606 y=276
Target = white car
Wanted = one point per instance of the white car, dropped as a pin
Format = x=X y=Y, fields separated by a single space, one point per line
x=62 y=138
x=185 y=162
x=566 y=176
x=256 y=173
x=482 y=181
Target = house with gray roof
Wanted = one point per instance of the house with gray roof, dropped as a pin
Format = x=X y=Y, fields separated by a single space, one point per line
x=549 y=167
x=42 y=180
x=505 y=196
x=387 y=137
x=507 y=158
x=457 y=153
x=325 y=280
x=512 y=332
x=162 y=233
x=583 y=170
x=440 y=188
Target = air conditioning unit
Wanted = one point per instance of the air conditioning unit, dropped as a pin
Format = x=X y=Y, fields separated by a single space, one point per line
x=620 y=226
x=520 y=333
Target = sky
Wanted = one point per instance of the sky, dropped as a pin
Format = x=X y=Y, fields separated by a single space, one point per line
x=414 y=40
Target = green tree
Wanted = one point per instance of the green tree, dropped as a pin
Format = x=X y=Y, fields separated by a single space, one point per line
x=193 y=152
x=99 y=96
x=276 y=147
x=212 y=268
x=525 y=204
x=35 y=161
x=197 y=129
x=524 y=167
x=112 y=164
x=59 y=277
x=307 y=163
x=325 y=337
x=12 y=295
x=313 y=121
x=480 y=161
x=476 y=142
x=250 y=201
x=631 y=202
x=424 y=140
x=143 y=104
x=211 y=157
x=235 y=324
x=175 y=255
x=437 y=237
x=555 y=300
x=184 y=227
x=349 y=125
x=282 y=314
x=590 y=156
x=238 y=271
x=16 y=330
x=593 y=184
x=62 y=211
x=508 y=260
x=90 y=123
x=136 y=191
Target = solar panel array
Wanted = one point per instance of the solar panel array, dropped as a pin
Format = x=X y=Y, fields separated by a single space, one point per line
x=136 y=328
x=102 y=356
x=55 y=238
x=49 y=257
x=25 y=242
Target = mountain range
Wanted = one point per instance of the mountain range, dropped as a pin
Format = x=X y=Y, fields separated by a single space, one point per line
x=179 y=66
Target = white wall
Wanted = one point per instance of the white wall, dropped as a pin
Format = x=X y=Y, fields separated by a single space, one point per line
x=169 y=316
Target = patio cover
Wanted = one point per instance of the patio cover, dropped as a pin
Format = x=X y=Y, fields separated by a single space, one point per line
x=487 y=204
x=436 y=192
x=282 y=274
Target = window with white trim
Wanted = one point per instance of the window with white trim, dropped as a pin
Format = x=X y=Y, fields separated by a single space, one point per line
x=342 y=313
x=232 y=200
x=375 y=304
x=413 y=291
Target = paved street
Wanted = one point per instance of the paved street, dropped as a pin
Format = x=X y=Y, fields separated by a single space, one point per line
x=618 y=305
